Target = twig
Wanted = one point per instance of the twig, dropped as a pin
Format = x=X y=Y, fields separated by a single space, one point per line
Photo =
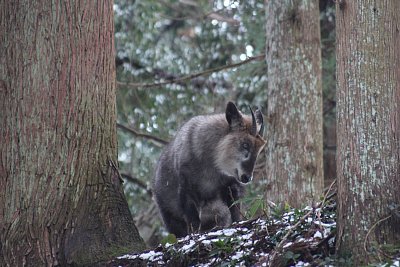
x=279 y=247
x=136 y=181
x=159 y=141
x=372 y=228
x=327 y=193
x=290 y=231
x=190 y=76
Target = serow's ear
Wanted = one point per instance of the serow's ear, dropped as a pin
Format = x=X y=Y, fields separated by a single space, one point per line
x=233 y=116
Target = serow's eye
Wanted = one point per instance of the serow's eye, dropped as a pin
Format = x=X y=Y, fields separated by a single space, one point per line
x=246 y=146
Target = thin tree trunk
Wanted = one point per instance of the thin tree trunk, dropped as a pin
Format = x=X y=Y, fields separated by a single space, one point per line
x=368 y=164
x=294 y=156
x=61 y=200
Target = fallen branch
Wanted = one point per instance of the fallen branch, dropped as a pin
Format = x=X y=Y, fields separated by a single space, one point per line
x=191 y=76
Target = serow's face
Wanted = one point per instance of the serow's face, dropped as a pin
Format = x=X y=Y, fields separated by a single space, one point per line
x=238 y=151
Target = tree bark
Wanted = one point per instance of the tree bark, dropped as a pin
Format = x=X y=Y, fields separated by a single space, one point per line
x=294 y=156
x=61 y=200
x=368 y=82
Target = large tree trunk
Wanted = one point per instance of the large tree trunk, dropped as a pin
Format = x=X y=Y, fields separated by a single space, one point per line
x=294 y=164
x=368 y=164
x=61 y=200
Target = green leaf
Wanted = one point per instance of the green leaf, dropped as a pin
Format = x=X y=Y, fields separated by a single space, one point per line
x=169 y=239
x=257 y=204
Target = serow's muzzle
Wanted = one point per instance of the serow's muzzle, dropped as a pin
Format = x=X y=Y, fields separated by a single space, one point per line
x=246 y=178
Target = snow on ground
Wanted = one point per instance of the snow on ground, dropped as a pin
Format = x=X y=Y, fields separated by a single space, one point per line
x=296 y=238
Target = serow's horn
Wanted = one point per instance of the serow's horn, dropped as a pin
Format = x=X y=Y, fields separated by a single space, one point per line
x=260 y=121
x=253 y=124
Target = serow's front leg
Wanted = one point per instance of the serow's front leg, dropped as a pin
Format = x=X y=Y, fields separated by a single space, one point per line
x=234 y=193
x=191 y=213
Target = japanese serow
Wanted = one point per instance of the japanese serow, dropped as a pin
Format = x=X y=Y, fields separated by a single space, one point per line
x=203 y=170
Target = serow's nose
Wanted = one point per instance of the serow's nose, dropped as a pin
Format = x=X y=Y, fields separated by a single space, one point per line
x=246 y=178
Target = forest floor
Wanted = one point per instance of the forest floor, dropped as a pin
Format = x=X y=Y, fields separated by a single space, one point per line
x=303 y=237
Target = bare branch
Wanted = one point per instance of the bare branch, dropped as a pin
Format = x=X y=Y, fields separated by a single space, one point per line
x=216 y=16
x=156 y=140
x=212 y=15
x=160 y=74
x=191 y=76
x=137 y=181
x=194 y=13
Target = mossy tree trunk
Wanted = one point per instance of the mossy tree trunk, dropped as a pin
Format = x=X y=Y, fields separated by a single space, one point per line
x=61 y=200
x=294 y=156
x=368 y=164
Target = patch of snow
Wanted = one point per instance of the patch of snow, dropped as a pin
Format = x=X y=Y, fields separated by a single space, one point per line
x=187 y=247
x=289 y=213
x=186 y=238
x=214 y=261
x=317 y=234
x=327 y=231
x=246 y=236
x=331 y=241
x=325 y=224
x=238 y=255
x=263 y=254
x=226 y=232
x=258 y=221
x=128 y=257
x=301 y=264
x=151 y=255
x=167 y=245
x=229 y=231
x=206 y=242
x=288 y=227
x=395 y=263
x=215 y=233
x=248 y=244
x=287 y=244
